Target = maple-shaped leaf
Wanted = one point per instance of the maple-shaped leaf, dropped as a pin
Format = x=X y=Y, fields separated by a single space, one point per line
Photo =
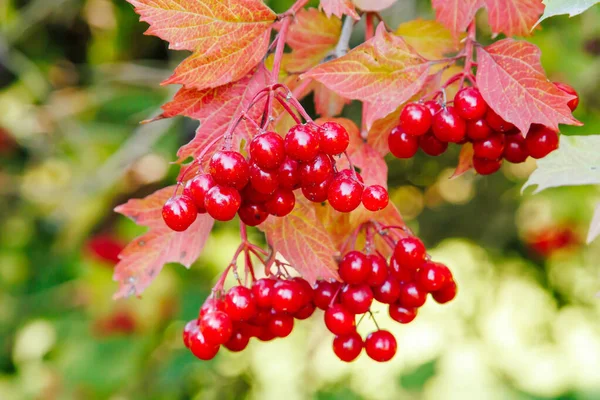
x=383 y=72
x=571 y=7
x=373 y=5
x=303 y=241
x=145 y=256
x=429 y=38
x=339 y=8
x=465 y=160
x=513 y=83
x=456 y=15
x=513 y=17
x=227 y=38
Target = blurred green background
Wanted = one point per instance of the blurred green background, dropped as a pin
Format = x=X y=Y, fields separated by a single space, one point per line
x=76 y=77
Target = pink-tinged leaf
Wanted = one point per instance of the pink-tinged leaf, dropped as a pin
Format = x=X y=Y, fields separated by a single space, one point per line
x=383 y=72
x=594 y=226
x=327 y=102
x=430 y=39
x=145 y=256
x=373 y=5
x=512 y=81
x=513 y=17
x=303 y=241
x=339 y=8
x=456 y=15
x=227 y=38
x=465 y=160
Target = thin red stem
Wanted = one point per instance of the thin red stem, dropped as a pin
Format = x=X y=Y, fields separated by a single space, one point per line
x=281 y=38
x=287 y=108
x=471 y=40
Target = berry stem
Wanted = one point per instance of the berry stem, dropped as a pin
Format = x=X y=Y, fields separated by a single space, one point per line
x=471 y=40
x=374 y=320
x=281 y=38
x=287 y=108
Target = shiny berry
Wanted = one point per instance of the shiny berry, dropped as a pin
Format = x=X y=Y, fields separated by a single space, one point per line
x=388 y=292
x=469 y=104
x=306 y=311
x=490 y=148
x=201 y=348
x=379 y=270
x=281 y=203
x=410 y=252
x=197 y=187
x=324 y=293
x=252 y=214
x=222 y=202
x=485 y=166
x=229 y=168
x=263 y=181
x=357 y=298
x=190 y=329
x=287 y=296
x=349 y=174
x=515 y=149
x=344 y=195
x=348 y=347
x=445 y=294
x=541 y=141
x=339 y=320
x=569 y=90
x=354 y=267
x=216 y=327
x=302 y=143
x=433 y=106
x=333 y=138
x=431 y=145
x=262 y=290
x=448 y=126
x=478 y=129
x=240 y=304
x=179 y=213
x=317 y=193
x=431 y=276
x=402 y=274
x=306 y=291
x=412 y=295
x=281 y=325
x=264 y=334
x=250 y=195
x=381 y=346
x=401 y=144
x=267 y=150
x=289 y=174
x=375 y=198
x=238 y=341
x=402 y=314
x=415 y=119
x=496 y=122
x=211 y=304
x=317 y=170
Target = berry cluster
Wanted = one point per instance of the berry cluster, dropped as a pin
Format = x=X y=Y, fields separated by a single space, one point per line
x=432 y=126
x=264 y=184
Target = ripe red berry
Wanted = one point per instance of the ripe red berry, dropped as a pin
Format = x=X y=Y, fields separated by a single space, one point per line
x=402 y=274
x=569 y=89
x=324 y=293
x=333 y=138
x=267 y=150
x=401 y=144
x=381 y=346
x=354 y=267
x=349 y=174
x=250 y=195
x=222 y=202
x=541 y=141
x=252 y=214
x=478 y=129
x=190 y=329
x=347 y=348
x=302 y=143
x=445 y=294
x=197 y=187
x=317 y=170
x=229 y=168
x=490 y=148
x=262 y=290
x=240 y=304
x=211 y=304
x=265 y=182
x=412 y=295
x=287 y=296
x=433 y=106
x=496 y=122
x=216 y=327
x=179 y=213
x=410 y=252
x=357 y=298
x=306 y=311
x=515 y=149
x=289 y=174
x=415 y=119
x=388 y=291
x=402 y=314
x=469 y=104
x=431 y=276
x=448 y=126
x=281 y=203
x=238 y=341
x=344 y=195
x=379 y=270
x=317 y=193
x=262 y=316
x=339 y=320
x=484 y=166
x=306 y=291
x=431 y=145
x=264 y=334
x=375 y=198
x=281 y=325
x=201 y=348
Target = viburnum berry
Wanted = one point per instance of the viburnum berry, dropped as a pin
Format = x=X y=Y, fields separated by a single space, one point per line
x=354 y=267
x=348 y=347
x=229 y=168
x=190 y=328
x=570 y=90
x=401 y=144
x=402 y=274
x=267 y=150
x=433 y=106
x=344 y=195
x=252 y=214
x=281 y=325
x=448 y=126
x=339 y=320
x=317 y=193
x=302 y=143
x=201 y=348
x=415 y=119
x=349 y=174
x=306 y=311
x=515 y=149
x=324 y=293
x=289 y=174
x=375 y=198
x=264 y=334
x=265 y=182
x=333 y=138
x=496 y=122
x=306 y=291
x=478 y=129
x=262 y=290
x=491 y=148
x=402 y=314
x=379 y=270
x=469 y=104
x=197 y=187
x=238 y=341
x=388 y=292
x=179 y=213
x=216 y=327
x=381 y=346
x=412 y=295
x=357 y=298
x=541 y=141
x=485 y=166
x=240 y=304
x=317 y=170
x=250 y=195
x=431 y=276
x=410 y=252
x=281 y=203
x=445 y=294
x=287 y=296
x=431 y=145
x=211 y=304
x=222 y=202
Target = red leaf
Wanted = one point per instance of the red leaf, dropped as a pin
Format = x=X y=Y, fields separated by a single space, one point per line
x=384 y=72
x=456 y=15
x=513 y=17
x=227 y=38
x=303 y=241
x=465 y=160
x=339 y=8
x=144 y=257
x=512 y=81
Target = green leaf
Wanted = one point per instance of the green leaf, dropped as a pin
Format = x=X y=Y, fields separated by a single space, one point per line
x=576 y=162
x=571 y=7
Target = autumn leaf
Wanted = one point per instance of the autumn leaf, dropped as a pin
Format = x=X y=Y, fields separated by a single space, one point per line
x=227 y=38
x=513 y=17
x=430 y=39
x=512 y=81
x=465 y=160
x=303 y=241
x=571 y=7
x=383 y=72
x=456 y=15
x=373 y=5
x=327 y=102
x=145 y=256
x=339 y=8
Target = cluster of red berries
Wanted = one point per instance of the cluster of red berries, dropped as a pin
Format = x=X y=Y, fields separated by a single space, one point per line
x=264 y=184
x=431 y=126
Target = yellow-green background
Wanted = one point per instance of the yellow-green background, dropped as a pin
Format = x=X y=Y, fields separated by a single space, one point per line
x=76 y=76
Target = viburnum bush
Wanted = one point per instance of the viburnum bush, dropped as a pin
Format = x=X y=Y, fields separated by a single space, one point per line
x=317 y=188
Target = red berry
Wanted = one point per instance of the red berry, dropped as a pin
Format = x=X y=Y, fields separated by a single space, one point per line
x=179 y=213
x=339 y=320
x=478 y=129
x=222 y=202
x=349 y=174
x=410 y=252
x=264 y=334
x=357 y=298
x=448 y=126
x=515 y=149
x=282 y=203
x=379 y=270
x=344 y=195
x=238 y=341
x=569 y=89
x=432 y=145
x=287 y=296
x=381 y=346
x=388 y=291
x=201 y=348
x=281 y=325
x=306 y=311
x=229 y=168
x=412 y=295
x=190 y=329
x=445 y=294
x=317 y=170
x=267 y=150
x=216 y=327
x=262 y=290
x=333 y=138
x=289 y=174
x=354 y=267
x=402 y=314
x=496 y=122
x=197 y=187
x=250 y=195
x=324 y=293
x=265 y=182
x=262 y=316
x=490 y=148
x=484 y=166
x=402 y=274
x=253 y=214
x=431 y=276
x=415 y=119
x=375 y=198
x=469 y=104
x=433 y=106
x=401 y=144
x=211 y=304
x=347 y=348
x=541 y=141
x=302 y=143
x=306 y=291
x=240 y=304
x=317 y=193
